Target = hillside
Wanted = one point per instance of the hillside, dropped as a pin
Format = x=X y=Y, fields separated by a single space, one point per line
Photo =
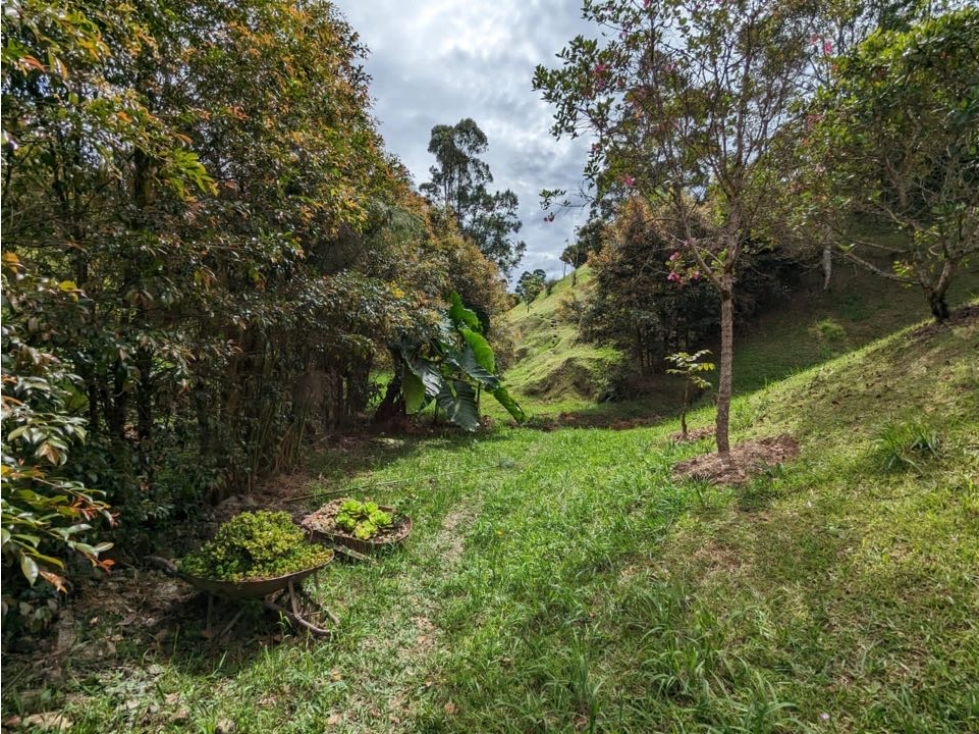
x=805 y=327
x=552 y=364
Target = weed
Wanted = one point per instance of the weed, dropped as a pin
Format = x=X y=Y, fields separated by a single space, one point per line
x=901 y=446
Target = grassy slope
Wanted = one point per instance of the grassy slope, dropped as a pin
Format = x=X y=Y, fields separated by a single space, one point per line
x=798 y=331
x=563 y=581
x=551 y=362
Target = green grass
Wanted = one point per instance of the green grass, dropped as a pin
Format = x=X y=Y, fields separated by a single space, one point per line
x=563 y=581
x=553 y=365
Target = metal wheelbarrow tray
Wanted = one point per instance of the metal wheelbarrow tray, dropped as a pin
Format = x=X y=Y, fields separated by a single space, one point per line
x=270 y=591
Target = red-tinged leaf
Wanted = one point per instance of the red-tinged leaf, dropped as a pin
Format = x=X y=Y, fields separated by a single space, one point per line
x=55 y=580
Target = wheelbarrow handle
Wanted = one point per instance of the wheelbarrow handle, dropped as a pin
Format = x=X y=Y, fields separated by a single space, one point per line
x=167 y=566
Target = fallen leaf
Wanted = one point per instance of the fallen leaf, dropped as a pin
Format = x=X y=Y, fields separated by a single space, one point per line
x=450 y=708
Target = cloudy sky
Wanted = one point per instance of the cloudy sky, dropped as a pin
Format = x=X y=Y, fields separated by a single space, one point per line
x=439 y=61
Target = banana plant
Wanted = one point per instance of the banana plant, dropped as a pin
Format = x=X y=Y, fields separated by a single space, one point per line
x=453 y=369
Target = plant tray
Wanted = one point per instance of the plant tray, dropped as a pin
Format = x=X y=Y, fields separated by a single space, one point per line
x=321 y=527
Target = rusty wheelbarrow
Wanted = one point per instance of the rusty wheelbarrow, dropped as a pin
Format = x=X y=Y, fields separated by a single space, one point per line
x=271 y=591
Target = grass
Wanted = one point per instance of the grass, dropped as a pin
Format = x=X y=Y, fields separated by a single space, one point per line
x=563 y=581
x=552 y=363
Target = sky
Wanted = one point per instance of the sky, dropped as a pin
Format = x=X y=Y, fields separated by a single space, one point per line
x=440 y=61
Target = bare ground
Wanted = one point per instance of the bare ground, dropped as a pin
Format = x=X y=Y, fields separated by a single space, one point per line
x=744 y=461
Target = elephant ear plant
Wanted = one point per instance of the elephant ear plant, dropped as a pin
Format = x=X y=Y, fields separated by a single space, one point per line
x=453 y=368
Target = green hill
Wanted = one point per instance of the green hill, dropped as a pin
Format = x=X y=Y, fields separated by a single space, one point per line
x=554 y=370
x=552 y=363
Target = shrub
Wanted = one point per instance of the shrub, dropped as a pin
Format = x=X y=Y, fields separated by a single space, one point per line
x=255 y=545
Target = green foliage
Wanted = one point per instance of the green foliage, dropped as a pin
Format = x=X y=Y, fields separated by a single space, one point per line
x=362 y=520
x=690 y=367
x=896 y=131
x=46 y=515
x=459 y=184
x=907 y=445
x=530 y=285
x=255 y=545
x=452 y=368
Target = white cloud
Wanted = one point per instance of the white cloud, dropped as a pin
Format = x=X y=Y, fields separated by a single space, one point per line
x=437 y=62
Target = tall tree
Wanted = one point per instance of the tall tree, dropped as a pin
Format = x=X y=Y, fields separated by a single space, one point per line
x=684 y=99
x=897 y=133
x=459 y=182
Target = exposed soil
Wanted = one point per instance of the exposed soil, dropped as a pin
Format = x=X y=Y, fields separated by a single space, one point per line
x=694 y=435
x=959 y=317
x=589 y=420
x=744 y=461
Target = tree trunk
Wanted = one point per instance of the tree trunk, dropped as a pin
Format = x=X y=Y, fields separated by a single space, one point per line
x=827 y=266
x=726 y=367
x=938 y=304
x=392 y=407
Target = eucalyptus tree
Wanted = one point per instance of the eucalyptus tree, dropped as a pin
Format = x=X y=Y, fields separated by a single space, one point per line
x=684 y=99
x=459 y=183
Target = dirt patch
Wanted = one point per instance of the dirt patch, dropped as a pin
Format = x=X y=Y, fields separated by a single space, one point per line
x=959 y=317
x=744 y=461
x=451 y=535
x=589 y=420
x=692 y=436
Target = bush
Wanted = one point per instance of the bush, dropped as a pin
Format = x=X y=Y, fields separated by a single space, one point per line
x=255 y=545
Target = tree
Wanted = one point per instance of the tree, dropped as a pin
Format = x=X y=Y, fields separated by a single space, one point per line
x=689 y=366
x=459 y=182
x=202 y=183
x=897 y=132
x=530 y=285
x=685 y=99
x=588 y=239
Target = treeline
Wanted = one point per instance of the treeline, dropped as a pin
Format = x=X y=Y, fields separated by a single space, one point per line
x=206 y=251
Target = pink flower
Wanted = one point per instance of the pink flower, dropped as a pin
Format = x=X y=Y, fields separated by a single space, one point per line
x=827 y=47
x=601 y=69
x=628 y=180
x=675 y=256
x=674 y=278
x=695 y=275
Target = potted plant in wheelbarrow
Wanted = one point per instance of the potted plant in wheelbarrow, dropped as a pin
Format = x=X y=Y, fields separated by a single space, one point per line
x=260 y=554
x=363 y=527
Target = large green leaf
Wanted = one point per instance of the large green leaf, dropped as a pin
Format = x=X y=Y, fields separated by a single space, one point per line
x=464 y=362
x=413 y=390
x=481 y=349
x=504 y=399
x=426 y=370
x=461 y=316
x=458 y=401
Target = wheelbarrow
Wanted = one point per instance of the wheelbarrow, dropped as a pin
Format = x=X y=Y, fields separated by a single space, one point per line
x=271 y=591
